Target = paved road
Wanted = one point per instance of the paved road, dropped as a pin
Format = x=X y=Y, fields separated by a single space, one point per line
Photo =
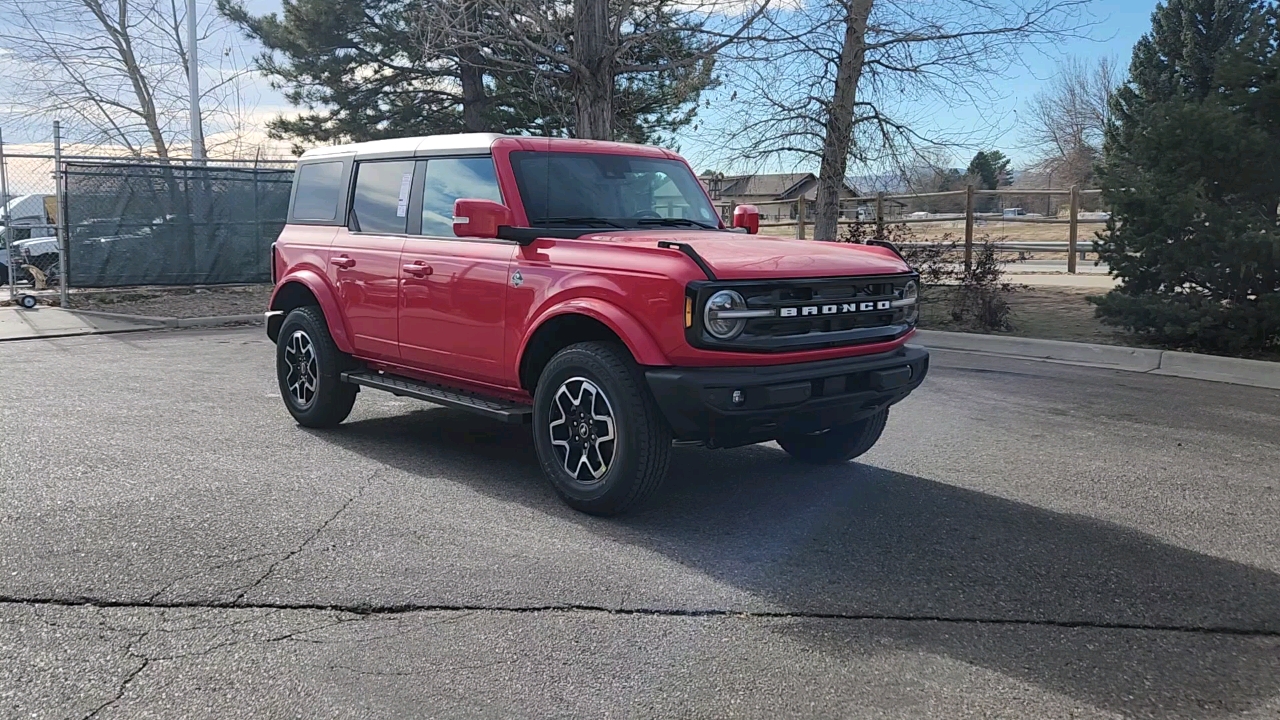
x=1028 y=541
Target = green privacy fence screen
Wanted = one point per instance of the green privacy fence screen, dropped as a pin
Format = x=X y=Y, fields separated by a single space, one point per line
x=169 y=224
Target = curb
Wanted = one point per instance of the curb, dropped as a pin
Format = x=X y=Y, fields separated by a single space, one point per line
x=145 y=319
x=1252 y=373
x=78 y=333
x=216 y=320
x=1111 y=356
x=173 y=322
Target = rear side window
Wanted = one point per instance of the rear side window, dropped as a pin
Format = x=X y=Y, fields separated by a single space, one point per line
x=449 y=179
x=316 y=191
x=381 y=203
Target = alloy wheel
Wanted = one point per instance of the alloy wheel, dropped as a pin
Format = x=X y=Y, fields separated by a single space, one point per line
x=583 y=431
x=303 y=370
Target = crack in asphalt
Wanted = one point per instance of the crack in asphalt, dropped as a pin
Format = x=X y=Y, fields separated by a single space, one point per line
x=127 y=680
x=204 y=571
x=305 y=543
x=408 y=608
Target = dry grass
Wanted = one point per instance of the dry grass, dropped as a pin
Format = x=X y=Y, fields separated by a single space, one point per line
x=1048 y=313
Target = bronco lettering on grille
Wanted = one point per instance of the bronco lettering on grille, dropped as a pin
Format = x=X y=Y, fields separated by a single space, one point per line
x=840 y=309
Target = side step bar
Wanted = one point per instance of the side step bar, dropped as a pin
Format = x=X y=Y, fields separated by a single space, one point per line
x=492 y=408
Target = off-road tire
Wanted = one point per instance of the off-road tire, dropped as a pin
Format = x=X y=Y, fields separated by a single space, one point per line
x=641 y=453
x=331 y=400
x=839 y=444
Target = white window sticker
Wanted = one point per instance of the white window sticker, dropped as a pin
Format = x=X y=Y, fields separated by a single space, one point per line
x=402 y=207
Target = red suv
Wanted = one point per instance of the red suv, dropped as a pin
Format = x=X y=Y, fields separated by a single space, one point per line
x=590 y=289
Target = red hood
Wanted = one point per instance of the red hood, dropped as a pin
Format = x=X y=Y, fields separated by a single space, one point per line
x=734 y=256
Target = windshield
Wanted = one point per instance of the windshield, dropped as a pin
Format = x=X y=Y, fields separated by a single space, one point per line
x=599 y=190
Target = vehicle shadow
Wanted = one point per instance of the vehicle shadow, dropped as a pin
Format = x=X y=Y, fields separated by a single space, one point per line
x=1094 y=611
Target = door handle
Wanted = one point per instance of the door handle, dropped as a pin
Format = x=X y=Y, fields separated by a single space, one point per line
x=343 y=261
x=417 y=269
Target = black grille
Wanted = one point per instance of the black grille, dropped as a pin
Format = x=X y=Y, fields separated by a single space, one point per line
x=827 y=312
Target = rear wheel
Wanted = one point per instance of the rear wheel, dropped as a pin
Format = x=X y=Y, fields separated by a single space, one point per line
x=309 y=366
x=601 y=439
x=839 y=444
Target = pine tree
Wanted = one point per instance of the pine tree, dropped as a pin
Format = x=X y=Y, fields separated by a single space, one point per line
x=990 y=168
x=1191 y=172
x=371 y=69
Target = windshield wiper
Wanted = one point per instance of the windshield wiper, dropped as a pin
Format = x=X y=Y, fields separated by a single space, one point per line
x=676 y=222
x=576 y=222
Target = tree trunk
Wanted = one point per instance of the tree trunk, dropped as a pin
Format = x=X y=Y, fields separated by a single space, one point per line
x=475 y=103
x=118 y=30
x=839 y=128
x=593 y=89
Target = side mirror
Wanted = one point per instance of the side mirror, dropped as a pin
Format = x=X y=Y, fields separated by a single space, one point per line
x=747 y=217
x=479 y=218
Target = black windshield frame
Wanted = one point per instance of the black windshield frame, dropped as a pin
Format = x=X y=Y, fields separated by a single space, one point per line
x=607 y=190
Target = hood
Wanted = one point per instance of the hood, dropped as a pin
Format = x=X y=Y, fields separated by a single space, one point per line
x=735 y=256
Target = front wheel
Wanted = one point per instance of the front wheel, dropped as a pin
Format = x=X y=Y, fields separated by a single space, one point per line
x=601 y=439
x=309 y=366
x=839 y=444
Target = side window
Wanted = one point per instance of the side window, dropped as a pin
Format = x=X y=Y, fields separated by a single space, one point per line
x=317 y=189
x=449 y=179
x=381 y=201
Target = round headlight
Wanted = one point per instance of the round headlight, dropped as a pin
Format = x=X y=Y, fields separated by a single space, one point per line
x=724 y=328
x=911 y=294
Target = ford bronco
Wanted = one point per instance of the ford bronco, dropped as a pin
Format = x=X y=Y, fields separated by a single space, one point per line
x=590 y=289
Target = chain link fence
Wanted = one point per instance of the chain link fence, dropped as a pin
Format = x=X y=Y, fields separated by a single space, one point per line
x=28 y=223
x=113 y=222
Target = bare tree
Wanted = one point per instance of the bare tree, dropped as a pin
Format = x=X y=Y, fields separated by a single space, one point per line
x=1068 y=118
x=863 y=80
x=116 y=72
x=593 y=49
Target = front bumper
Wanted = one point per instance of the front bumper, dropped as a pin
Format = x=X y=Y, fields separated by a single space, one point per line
x=274 y=318
x=782 y=399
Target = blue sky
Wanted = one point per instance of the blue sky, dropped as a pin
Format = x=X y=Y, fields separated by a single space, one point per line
x=1119 y=23
x=1115 y=26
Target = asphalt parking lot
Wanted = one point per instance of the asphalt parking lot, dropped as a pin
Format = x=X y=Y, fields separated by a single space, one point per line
x=1029 y=540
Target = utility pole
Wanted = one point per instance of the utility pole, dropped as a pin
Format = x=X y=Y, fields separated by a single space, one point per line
x=193 y=80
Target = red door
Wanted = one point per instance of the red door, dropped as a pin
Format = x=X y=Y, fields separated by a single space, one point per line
x=364 y=260
x=453 y=290
x=365 y=268
x=453 y=299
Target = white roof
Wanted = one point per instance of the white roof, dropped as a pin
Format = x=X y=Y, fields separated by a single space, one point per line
x=402 y=147
x=25 y=208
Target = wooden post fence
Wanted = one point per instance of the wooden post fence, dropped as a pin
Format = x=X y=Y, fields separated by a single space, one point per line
x=800 y=217
x=968 y=228
x=880 y=215
x=1074 y=229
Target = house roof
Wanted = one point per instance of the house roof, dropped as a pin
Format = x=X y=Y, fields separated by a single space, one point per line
x=775 y=186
